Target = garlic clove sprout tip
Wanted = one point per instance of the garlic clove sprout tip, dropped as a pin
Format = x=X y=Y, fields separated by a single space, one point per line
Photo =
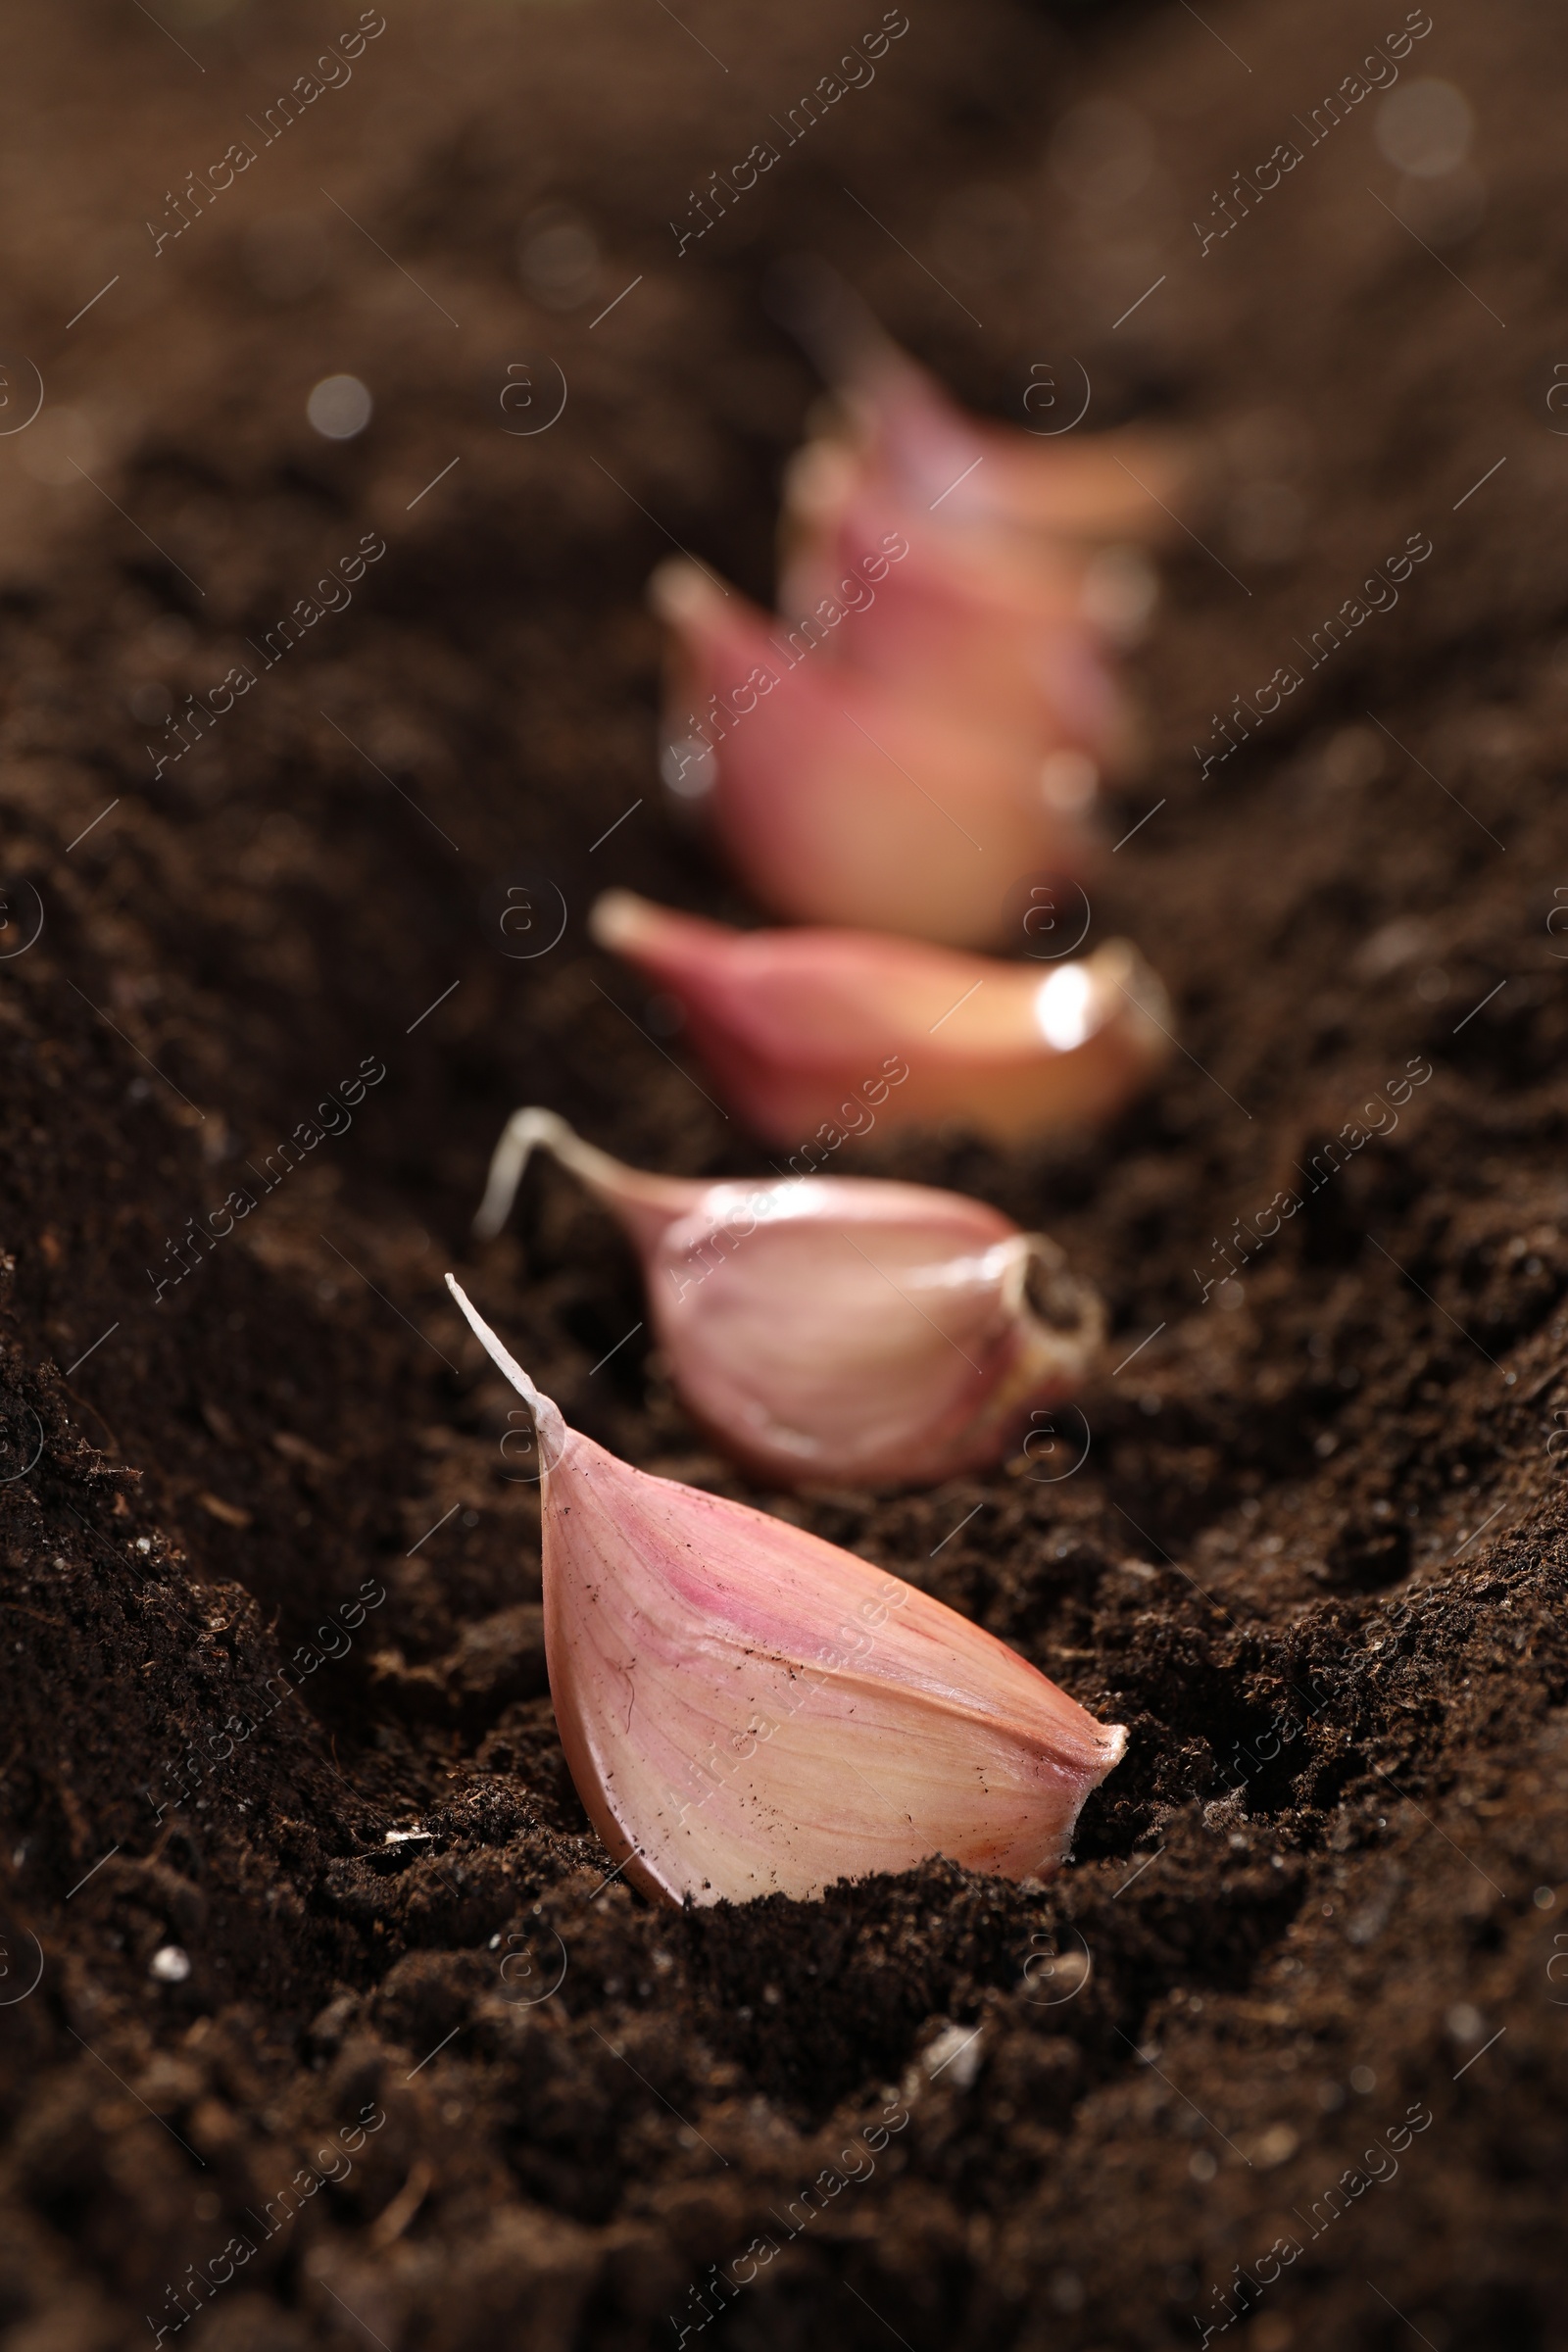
x=677 y=591
x=551 y=1427
x=617 y=920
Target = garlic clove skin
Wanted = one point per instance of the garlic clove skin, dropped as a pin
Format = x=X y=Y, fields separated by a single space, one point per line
x=806 y=1029
x=746 y=1710
x=839 y=1328
x=841 y=798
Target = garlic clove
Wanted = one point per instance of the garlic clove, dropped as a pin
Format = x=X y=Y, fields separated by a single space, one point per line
x=806 y=1029
x=890 y=591
x=839 y=516
x=840 y=1329
x=1121 y=484
x=842 y=799
x=900 y=424
x=746 y=1710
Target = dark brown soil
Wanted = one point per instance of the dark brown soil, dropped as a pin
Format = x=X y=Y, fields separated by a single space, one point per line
x=272 y=1684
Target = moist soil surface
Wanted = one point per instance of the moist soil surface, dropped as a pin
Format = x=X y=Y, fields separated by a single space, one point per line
x=320 y=2023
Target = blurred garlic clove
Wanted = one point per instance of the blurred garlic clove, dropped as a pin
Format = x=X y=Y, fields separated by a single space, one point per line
x=807 y=1029
x=1120 y=484
x=841 y=798
x=926 y=603
x=901 y=426
x=839 y=516
x=833 y=1328
x=746 y=1710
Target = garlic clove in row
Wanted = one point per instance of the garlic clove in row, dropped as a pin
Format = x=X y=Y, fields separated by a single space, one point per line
x=898 y=423
x=842 y=799
x=1116 y=485
x=922 y=604
x=838 y=514
x=833 y=1328
x=806 y=1029
x=647 y=1206
x=746 y=1710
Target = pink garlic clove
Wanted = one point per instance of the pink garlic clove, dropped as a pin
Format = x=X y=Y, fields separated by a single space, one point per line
x=808 y=1029
x=901 y=426
x=923 y=603
x=746 y=1710
x=1115 y=485
x=832 y=1328
x=841 y=798
x=838 y=509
